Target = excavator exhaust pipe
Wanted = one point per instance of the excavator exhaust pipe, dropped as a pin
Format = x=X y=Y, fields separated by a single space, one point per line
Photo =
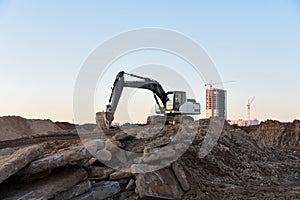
x=104 y=119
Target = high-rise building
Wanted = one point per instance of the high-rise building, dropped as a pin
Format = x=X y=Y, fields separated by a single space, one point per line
x=216 y=103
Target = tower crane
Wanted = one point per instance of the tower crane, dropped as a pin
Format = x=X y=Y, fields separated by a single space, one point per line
x=211 y=83
x=249 y=107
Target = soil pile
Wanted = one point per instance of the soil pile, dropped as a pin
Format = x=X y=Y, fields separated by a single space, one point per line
x=14 y=127
x=275 y=133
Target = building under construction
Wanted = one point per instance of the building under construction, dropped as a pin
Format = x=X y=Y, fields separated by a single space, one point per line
x=216 y=103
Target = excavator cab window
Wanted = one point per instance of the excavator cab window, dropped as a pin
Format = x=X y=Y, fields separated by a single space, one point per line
x=175 y=100
x=170 y=102
x=179 y=99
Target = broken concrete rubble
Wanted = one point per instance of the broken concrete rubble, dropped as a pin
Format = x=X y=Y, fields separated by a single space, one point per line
x=99 y=172
x=48 y=187
x=73 y=156
x=75 y=191
x=6 y=151
x=103 y=155
x=14 y=162
x=181 y=177
x=119 y=175
x=94 y=145
x=101 y=190
x=160 y=184
x=130 y=185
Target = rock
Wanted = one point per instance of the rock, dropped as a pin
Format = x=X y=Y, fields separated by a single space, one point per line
x=121 y=156
x=119 y=175
x=101 y=190
x=99 y=172
x=75 y=191
x=31 y=177
x=160 y=184
x=130 y=131
x=94 y=145
x=166 y=153
x=48 y=187
x=112 y=145
x=6 y=151
x=130 y=185
x=103 y=155
x=147 y=132
x=141 y=168
x=159 y=143
x=93 y=162
x=12 y=163
x=125 y=195
x=122 y=136
x=181 y=177
x=73 y=156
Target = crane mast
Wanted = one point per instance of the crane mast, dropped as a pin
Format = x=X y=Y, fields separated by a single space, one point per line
x=249 y=109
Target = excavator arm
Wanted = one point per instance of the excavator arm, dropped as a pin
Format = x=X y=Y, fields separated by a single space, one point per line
x=104 y=119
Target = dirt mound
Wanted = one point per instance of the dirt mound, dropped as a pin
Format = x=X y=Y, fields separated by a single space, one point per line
x=14 y=127
x=240 y=167
x=279 y=134
x=65 y=125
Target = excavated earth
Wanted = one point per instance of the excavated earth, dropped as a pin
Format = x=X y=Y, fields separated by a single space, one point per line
x=40 y=159
x=275 y=133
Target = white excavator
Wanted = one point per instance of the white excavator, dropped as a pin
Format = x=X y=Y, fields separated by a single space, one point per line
x=173 y=108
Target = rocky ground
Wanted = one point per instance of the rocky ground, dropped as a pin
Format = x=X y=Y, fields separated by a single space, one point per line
x=56 y=165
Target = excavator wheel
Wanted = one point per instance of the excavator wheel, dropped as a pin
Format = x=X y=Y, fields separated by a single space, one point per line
x=104 y=119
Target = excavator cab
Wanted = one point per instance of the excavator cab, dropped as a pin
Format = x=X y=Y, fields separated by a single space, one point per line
x=174 y=100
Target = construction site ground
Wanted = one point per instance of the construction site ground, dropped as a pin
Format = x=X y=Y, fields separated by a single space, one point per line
x=46 y=160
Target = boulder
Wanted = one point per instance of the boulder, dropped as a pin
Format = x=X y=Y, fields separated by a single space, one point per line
x=160 y=154
x=101 y=190
x=73 y=156
x=130 y=185
x=125 y=195
x=47 y=188
x=121 y=136
x=141 y=168
x=75 y=191
x=94 y=145
x=99 y=172
x=6 y=151
x=181 y=177
x=12 y=163
x=119 y=175
x=160 y=184
x=103 y=155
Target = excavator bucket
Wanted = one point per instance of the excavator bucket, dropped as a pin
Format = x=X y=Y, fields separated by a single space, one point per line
x=104 y=119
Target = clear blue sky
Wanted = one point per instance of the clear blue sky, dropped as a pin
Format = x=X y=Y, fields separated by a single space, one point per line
x=44 y=43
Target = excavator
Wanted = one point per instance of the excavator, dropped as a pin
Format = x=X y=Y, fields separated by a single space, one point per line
x=173 y=107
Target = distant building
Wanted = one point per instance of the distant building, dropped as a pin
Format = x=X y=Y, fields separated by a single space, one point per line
x=216 y=103
x=241 y=122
